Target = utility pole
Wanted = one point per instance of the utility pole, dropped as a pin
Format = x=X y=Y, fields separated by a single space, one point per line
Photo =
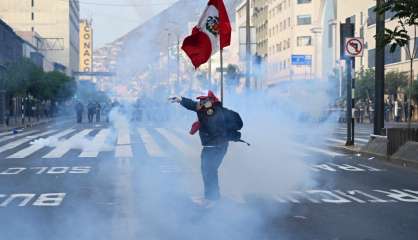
x=247 y=46
x=379 y=122
x=347 y=30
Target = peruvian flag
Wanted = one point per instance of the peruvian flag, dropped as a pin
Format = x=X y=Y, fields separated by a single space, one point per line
x=213 y=32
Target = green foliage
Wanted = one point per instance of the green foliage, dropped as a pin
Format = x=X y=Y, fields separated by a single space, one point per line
x=394 y=81
x=406 y=12
x=20 y=75
x=365 y=85
x=414 y=91
x=24 y=77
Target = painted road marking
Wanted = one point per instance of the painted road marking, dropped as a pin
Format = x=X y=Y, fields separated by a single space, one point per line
x=123 y=151
x=97 y=144
x=36 y=147
x=45 y=170
x=22 y=134
x=176 y=142
x=66 y=145
x=123 y=137
x=32 y=199
x=24 y=140
x=376 y=196
x=332 y=167
x=322 y=151
x=5 y=133
x=151 y=146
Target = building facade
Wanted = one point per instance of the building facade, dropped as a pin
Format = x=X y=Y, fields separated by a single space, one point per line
x=56 y=21
x=294 y=28
x=260 y=21
x=361 y=13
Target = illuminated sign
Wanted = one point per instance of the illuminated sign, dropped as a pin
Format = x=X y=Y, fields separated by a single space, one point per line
x=86 y=46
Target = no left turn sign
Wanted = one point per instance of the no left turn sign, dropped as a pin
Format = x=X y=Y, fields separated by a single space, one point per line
x=354 y=47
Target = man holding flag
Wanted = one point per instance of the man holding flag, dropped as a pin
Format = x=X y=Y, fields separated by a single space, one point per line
x=212 y=32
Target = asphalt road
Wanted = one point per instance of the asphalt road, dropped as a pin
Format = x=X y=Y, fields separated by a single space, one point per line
x=93 y=182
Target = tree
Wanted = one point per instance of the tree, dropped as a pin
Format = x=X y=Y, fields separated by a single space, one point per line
x=394 y=81
x=406 y=13
x=365 y=84
x=20 y=75
x=414 y=90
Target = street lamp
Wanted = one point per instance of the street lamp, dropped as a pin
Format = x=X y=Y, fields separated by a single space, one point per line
x=317 y=31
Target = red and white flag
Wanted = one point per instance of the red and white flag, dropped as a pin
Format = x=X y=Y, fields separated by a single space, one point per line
x=213 y=32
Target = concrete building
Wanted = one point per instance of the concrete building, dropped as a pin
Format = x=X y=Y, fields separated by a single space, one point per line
x=294 y=28
x=11 y=45
x=56 y=21
x=260 y=21
x=361 y=13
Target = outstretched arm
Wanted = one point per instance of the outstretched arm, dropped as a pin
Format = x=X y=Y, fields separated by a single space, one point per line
x=186 y=103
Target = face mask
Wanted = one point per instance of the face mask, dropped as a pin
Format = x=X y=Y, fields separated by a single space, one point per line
x=206 y=104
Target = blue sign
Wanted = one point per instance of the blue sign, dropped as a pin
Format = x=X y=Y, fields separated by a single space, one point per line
x=301 y=59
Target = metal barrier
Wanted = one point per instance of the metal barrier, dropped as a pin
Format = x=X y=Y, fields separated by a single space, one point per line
x=399 y=136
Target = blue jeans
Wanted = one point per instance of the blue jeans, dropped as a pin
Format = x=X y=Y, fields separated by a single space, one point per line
x=211 y=160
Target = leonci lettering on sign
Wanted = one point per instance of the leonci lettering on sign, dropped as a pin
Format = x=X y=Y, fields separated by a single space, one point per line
x=86 y=46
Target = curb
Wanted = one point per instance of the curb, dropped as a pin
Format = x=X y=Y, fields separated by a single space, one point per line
x=31 y=125
x=393 y=160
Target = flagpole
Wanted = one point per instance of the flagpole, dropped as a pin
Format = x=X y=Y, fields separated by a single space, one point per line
x=222 y=76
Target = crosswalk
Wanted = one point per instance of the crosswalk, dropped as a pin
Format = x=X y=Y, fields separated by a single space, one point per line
x=121 y=143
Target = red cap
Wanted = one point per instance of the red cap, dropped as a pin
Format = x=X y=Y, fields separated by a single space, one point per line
x=211 y=96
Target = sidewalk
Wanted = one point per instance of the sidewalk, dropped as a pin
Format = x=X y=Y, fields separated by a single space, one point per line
x=19 y=125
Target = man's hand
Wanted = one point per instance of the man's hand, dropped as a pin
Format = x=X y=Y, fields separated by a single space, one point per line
x=175 y=99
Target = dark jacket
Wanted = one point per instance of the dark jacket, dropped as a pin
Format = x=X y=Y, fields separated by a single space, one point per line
x=212 y=131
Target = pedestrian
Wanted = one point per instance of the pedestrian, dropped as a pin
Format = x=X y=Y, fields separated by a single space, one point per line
x=91 y=108
x=98 y=111
x=214 y=125
x=79 y=108
x=397 y=111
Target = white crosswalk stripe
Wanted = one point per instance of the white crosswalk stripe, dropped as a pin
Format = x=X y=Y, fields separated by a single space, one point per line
x=151 y=146
x=177 y=142
x=26 y=152
x=22 y=134
x=65 y=146
x=24 y=140
x=123 y=148
x=124 y=138
x=5 y=133
x=98 y=144
x=123 y=151
x=322 y=150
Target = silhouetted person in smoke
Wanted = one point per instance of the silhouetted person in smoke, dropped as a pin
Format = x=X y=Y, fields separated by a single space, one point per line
x=91 y=109
x=79 y=108
x=216 y=128
x=98 y=111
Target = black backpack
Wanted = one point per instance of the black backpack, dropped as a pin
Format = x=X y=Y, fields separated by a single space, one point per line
x=233 y=125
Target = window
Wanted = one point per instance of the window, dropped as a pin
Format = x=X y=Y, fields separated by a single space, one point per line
x=33 y=3
x=392 y=57
x=304 y=41
x=304 y=19
x=389 y=57
x=304 y=1
x=33 y=16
